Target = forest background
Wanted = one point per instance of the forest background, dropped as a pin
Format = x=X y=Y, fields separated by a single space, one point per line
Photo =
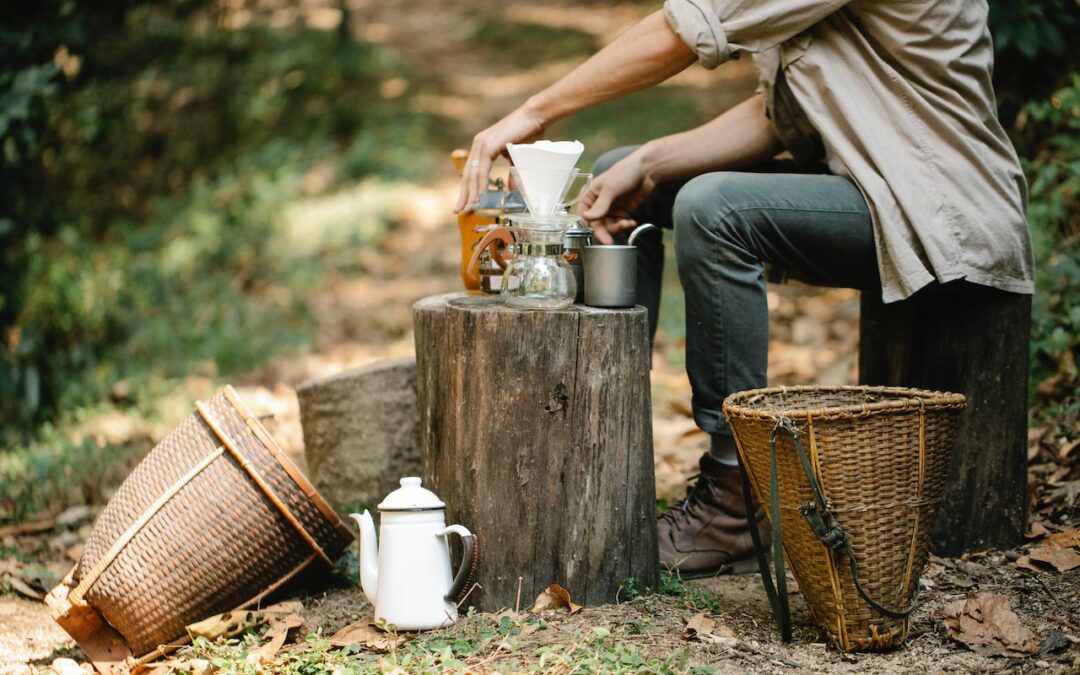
x=179 y=178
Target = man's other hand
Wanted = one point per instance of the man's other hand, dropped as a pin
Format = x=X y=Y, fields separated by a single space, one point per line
x=612 y=198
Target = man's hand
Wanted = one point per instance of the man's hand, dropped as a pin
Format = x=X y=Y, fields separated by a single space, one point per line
x=614 y=196
x=520 y=126
x=648 y=53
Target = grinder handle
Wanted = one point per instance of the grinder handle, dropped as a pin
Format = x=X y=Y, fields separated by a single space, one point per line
x=472 y=270
x=459 y=157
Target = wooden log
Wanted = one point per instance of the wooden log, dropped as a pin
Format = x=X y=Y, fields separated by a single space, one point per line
x=537 y=433
x=361 y=432
x=972 y=340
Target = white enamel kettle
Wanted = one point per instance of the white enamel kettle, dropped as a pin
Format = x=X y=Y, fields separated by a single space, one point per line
x=407 y=574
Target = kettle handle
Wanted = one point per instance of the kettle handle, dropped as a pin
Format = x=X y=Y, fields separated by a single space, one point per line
x=459 y=590
x=472 y=269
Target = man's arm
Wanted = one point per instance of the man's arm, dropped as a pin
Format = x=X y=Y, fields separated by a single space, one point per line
x=645 y=55
x=740 y=137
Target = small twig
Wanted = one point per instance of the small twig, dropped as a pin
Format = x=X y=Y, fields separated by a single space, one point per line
x=1047 y=589
x=517 y=604
x=471 y=589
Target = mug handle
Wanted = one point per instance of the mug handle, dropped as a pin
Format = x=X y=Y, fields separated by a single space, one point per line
x=581 y=191
x=467 y=569
x=472 y=269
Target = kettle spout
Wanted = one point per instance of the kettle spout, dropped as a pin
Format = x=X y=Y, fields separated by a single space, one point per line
x=369 y=554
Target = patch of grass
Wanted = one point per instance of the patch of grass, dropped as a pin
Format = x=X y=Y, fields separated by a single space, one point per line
x=632 y=120
x=692 y=596
x=526 y=44
x=477 y=643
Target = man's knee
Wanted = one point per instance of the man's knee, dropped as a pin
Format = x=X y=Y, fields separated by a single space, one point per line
x=711 y=217
x=609 y=158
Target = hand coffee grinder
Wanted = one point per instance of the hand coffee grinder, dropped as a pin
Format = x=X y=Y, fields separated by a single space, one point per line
x=492 y=207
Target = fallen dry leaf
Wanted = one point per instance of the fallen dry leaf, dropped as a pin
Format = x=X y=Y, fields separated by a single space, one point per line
x=985 y=623
x=554 y=597
x=1037 y=530
x=1066 y=539
x=1062 y=559
x=229 y=624
x=1025 y=562
x=75 y=552
x=366 y=634
x=275 y=637
x=702 y=628
x=1067 y=448
x=24 y=588
x=699 y=624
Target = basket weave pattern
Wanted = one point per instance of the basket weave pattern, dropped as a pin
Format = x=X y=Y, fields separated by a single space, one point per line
x=216 y=543
x=882 y=456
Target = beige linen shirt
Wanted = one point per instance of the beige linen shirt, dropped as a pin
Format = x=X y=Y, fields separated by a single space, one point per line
x=900 y=93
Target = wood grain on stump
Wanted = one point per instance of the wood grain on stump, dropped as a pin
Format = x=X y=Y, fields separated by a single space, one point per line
x=536 y=432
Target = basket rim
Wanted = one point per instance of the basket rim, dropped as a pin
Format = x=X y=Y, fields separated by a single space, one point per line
x=290 y=467
x=737 y=404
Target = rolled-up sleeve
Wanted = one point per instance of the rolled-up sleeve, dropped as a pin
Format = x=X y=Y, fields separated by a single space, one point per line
x=717 y=30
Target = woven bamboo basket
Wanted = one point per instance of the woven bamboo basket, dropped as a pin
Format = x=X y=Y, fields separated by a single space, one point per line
x=879 y=457
x=215 y=518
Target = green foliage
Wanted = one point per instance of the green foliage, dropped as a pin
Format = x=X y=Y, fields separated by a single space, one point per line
x=148 y=155
x=1052 y=127
x=524 y=44
x=692 y=596
x=1032 y=50
x=1034 y=28
x=477 y=643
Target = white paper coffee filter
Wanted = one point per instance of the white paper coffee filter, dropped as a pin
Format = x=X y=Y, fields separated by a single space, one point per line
x=552 y=155
x=543 y=189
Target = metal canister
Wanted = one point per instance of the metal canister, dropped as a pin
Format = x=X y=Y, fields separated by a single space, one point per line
x=574 y=243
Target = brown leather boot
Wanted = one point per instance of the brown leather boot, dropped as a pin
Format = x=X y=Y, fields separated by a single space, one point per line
x=709 y=533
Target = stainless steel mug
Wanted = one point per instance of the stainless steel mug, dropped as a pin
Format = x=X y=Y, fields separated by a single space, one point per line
x=611 y=276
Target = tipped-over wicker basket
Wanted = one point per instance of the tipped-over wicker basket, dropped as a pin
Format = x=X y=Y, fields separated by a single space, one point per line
x=859 y=472
x=213 y=519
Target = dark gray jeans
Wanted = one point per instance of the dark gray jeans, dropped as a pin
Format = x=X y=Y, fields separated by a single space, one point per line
x=727 y=225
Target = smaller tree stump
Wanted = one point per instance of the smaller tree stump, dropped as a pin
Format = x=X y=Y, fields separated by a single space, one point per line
x=536 y=431
x=360 y=431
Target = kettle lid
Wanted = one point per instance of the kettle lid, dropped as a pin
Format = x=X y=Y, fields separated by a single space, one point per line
x=411 y=497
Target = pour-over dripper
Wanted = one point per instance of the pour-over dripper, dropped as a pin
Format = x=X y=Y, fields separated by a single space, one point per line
x=544 y=190
x=553 y=155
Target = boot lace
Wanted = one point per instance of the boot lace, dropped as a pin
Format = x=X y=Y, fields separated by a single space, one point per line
x=697 y=492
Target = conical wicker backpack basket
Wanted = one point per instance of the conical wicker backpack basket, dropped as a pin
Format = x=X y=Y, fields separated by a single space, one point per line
x=213 y=519
x=857 y=540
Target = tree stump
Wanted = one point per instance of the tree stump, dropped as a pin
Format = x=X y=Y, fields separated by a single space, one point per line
x=972 y=340
x=536 y=431
x=361 y=433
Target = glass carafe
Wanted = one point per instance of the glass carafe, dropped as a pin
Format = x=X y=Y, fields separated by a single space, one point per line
x=539 y=276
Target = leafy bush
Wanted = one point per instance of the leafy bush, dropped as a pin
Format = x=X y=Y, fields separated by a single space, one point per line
x=1052 y=128
x=147 y=152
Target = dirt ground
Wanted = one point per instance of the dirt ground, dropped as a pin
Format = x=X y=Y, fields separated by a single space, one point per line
x=362 y=320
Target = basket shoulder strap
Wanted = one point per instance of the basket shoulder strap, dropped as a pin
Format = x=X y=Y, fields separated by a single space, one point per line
x=208 y=417
x=778 y=599
x=91 y=577
x=824 y=524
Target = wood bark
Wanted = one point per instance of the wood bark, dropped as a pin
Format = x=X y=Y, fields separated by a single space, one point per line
x=361 y=433
x=536 y=431
x=972 y=340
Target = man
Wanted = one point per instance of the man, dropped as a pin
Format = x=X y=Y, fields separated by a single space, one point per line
x=920 y=186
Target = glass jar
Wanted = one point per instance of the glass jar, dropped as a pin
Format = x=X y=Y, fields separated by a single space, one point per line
x=539 y=276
